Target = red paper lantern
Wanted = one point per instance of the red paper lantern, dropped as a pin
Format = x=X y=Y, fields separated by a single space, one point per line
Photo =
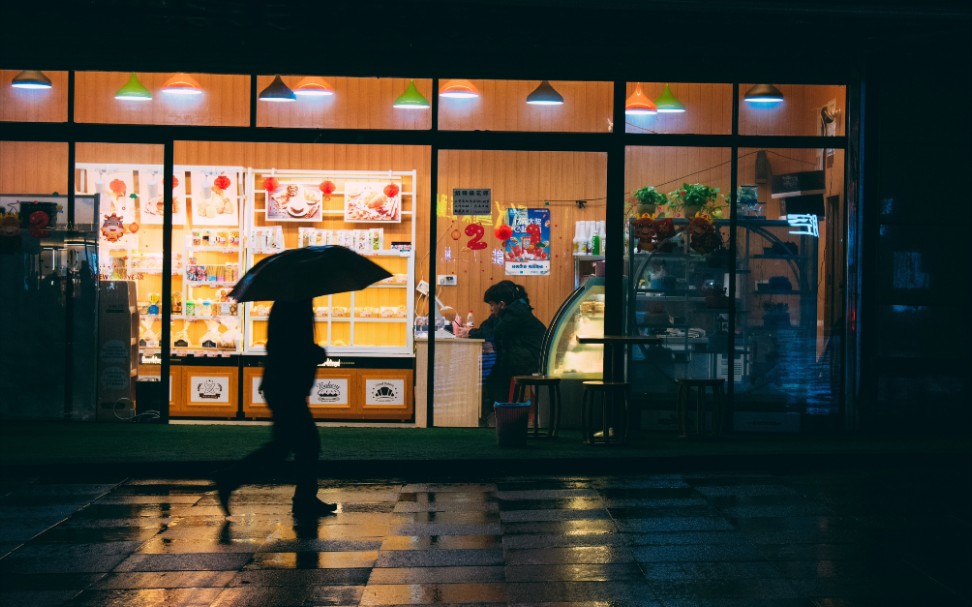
x=118 y=187
x=503 y=232
x=270 y=184
x=222 y=182
x=327 y=186
x=391 y=190
x=175 y=182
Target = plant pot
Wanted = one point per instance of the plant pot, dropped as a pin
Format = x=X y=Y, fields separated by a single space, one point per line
x=689 y=210
x=647 y=209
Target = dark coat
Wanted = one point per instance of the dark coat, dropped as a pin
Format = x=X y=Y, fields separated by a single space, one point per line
x=517 y=337
x=292 y=355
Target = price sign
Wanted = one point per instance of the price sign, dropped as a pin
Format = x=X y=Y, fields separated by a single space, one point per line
x=472 y=201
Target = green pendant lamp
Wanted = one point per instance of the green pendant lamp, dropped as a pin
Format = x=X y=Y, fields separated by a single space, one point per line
x=545 y=94
x=31 y=79
x=133 y=91
x=667 y=103
x=411 y=99
x=763 y=94
x=277 y=92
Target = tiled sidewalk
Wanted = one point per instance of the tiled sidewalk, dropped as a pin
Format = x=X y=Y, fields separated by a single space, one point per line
x=837 y=539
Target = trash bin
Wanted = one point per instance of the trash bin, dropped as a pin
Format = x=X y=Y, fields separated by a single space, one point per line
x=511 y=423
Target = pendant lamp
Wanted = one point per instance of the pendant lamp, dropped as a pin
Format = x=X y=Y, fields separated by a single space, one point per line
x=31 y=79
x=277 y=91
x=545 y=94
x=312 y=86
x=411 y=99
x=638 y=104
x=134 y=90
x=458 y=89
x=667 y=103
x=765 y=94
x=182 y=84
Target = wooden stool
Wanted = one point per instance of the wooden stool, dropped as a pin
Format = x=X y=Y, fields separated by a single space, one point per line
x=685 y=387
x=612 y=396
x=521 y=383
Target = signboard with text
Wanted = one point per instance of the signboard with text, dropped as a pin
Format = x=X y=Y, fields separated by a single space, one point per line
x=472 y=201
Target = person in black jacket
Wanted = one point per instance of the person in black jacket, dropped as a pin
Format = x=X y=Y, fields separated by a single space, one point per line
x=289 y=373
x=516 y=335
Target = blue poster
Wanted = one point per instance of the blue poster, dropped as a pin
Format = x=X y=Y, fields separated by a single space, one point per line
x=528 y=249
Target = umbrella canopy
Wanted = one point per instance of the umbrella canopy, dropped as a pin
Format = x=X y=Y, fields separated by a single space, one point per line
x=307 y=272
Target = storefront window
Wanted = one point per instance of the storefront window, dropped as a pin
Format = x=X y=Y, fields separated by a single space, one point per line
x=48 y=298
x=678 y=270
x=33 y=96
x=514 y=216
x=344 y=103
x=790 y=286
x=511 y=105
x=125 y=180
x=162 y=98
x=678 y=108
x=792 y=109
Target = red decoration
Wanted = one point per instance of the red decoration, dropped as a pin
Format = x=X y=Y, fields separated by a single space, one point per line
x=503 y=232
x=118 y=187
x=327 y=186
x=455 y=234
x=391 y=190
x=476 y=231
x=133 y=227
x=175 y=182
x=270 y=184
x=39 y=220
x=222 y=182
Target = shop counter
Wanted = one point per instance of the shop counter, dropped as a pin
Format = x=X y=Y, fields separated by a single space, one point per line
x=458 y=382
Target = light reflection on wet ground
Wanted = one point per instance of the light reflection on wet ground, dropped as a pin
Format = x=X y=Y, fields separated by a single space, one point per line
x=844 y=538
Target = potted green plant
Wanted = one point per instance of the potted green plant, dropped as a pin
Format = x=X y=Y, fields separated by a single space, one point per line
x=649 y=199
x=692 y=198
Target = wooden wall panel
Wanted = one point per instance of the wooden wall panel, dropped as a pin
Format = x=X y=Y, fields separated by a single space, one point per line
x=33 y=167
x=357 y=103
x=502 y=106
x=40 y=105
x=666 y=168
x=520 y=179
x=225 y=100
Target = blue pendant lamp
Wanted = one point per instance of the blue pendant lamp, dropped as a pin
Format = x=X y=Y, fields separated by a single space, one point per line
x=763 y=94
x=277 y=92
x=545 y=94
x=31 y=79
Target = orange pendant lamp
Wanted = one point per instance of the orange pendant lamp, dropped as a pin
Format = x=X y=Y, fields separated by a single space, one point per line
x=638 y=104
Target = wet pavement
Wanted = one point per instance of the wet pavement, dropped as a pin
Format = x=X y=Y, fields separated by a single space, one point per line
x=838 y=538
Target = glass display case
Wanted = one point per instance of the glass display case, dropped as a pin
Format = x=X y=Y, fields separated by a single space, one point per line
x=581 y=315
x=762 y=340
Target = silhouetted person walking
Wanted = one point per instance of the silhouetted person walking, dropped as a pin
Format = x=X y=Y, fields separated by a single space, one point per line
x=291 y=363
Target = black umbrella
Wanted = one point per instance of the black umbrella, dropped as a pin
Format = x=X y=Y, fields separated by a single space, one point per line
x=307 y=272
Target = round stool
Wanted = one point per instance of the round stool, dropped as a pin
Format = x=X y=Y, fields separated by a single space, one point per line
x=612 y=398
x=685 y=387
x=521 y=383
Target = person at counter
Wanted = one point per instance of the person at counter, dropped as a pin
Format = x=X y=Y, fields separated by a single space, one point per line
x=516 y=335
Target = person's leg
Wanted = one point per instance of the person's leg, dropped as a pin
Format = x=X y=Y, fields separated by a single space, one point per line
x=272 y=452
x=306 y=444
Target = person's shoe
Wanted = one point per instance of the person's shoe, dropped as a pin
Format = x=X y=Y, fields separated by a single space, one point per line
x=313 y=507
